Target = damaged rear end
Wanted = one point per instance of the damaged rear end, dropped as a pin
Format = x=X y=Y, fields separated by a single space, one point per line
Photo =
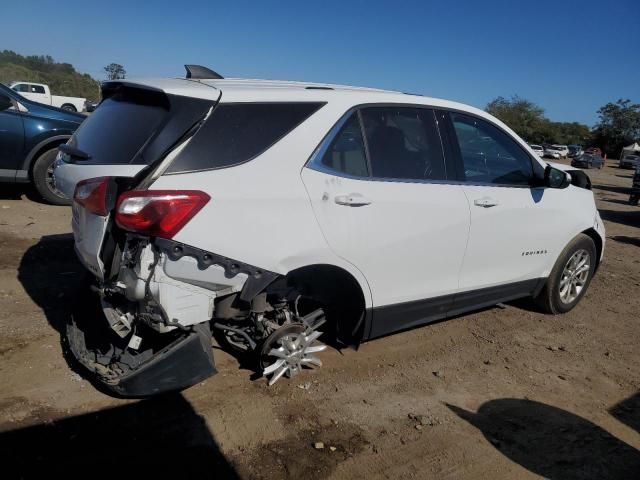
x=155 y=301
x=152 y=335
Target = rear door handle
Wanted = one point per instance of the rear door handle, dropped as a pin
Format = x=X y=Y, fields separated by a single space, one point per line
x=485 y=202
x=352 y=200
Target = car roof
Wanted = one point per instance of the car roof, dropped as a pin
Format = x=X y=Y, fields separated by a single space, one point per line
x=27 y=81
x=241 y=90
x=253 y=90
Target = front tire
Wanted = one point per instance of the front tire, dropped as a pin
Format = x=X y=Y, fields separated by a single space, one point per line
x=43 y=179
x=68 y=107
x=570 y=277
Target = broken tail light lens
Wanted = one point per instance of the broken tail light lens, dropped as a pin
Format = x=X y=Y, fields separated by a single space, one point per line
x=158 y=213
x=92 y=195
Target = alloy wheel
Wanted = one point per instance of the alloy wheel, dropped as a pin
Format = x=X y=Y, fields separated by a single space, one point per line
x=574 y=276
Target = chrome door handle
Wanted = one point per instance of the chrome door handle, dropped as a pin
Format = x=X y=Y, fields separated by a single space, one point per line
x=352 y=200
x=485 y=202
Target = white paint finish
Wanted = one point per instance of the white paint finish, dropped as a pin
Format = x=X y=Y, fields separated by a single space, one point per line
x=259 y=212
x=409 y=241
x=523 y=220
x=175 y=86
x=88 y=233
x=67 y=175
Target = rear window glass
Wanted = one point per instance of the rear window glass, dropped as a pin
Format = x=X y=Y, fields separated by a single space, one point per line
x=116 y=131
x=238 y=132
x=346 y=153
x=403 y=143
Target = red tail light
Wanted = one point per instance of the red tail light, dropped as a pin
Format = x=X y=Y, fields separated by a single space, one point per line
x=158 y=213
x=92 y=195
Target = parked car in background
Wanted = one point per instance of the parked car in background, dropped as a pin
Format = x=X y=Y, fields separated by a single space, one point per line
x=39 y=92
x=563 y=149
x=175 y=191
x=90 y=105
x=30 y=134
x=550 y=151
x=593 y=151
x=630 y=161
x=587 y=160
x=538 y=149
x=575 y=151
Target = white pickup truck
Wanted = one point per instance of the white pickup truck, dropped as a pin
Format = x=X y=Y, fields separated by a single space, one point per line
x=39 y=92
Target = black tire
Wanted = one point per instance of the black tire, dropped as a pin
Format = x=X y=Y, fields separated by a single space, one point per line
x=69 y=107
x=41 y=175
x=549 y=298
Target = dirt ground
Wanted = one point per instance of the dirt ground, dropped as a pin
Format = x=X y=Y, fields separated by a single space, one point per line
x=502 y=393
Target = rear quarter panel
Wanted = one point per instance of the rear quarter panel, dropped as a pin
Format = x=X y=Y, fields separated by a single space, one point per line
x=260 y=212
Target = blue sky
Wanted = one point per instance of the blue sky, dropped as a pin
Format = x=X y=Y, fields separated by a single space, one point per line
x=569 y=57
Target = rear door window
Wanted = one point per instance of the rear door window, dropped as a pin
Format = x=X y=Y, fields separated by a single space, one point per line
x=346 y=154
x=236 y=133
x=403 y=143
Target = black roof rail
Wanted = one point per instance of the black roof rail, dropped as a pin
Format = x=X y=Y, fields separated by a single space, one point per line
x=198 y=72
x=317 y=87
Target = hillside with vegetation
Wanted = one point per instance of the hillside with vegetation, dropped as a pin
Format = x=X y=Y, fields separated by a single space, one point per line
x=62 y=78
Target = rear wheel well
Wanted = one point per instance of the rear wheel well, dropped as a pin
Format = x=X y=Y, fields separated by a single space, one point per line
x=597 y=240
x=44 y=148
x=340 y=295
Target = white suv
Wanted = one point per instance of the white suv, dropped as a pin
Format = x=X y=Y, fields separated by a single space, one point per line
x=260 y=210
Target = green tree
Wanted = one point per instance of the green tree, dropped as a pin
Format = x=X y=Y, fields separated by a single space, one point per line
x=527 y=120
x=619 y=126
x=523 y=116
x=115 y=71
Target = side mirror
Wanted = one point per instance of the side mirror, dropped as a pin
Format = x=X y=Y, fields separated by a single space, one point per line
x=5 y=103
x=556 y=178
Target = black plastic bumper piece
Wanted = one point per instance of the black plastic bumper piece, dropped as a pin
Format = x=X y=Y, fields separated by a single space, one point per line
x=183 y=363
x=180 y=365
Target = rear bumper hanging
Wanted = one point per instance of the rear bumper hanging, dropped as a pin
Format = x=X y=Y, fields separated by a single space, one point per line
x=181 y=364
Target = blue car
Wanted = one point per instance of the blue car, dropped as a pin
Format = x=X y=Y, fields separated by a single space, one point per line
x=30 y=134
x=587 y=160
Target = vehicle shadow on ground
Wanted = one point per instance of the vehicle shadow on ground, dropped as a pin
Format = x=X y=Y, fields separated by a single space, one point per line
x=54 y=279
x=16 y=191
x=628 y=411
x=162 y=436
x=612 y=188
x=616 y=200
x=628 y=240
x=52 y=276
x=552 y=442
x=629 y=218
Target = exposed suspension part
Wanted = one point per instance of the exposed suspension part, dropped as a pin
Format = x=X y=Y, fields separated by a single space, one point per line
x=273 y=329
